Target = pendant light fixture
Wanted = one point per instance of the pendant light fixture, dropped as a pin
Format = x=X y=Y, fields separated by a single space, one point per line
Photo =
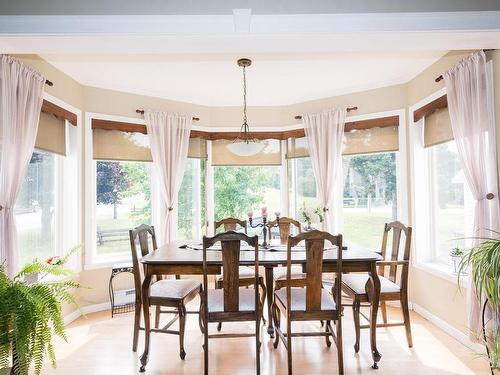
x=245 y=144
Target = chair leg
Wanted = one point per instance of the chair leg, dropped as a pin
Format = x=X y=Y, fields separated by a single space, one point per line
x=327 y=337
x=218 y=286
x=340 y=346
x=205 y=343
x=182 y=328
x=257 y=344
x=406 y=316
x=289 y=344
x=277 y=323
x=357 y=328
x=137 y=321
x=383 y=307
x=157 y=316
x=263 y=298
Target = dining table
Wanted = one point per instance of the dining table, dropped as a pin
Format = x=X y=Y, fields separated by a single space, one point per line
x=178 y=258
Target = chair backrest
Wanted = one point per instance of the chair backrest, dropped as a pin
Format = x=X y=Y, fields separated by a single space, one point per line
x=398 y=252
x=230 y=223
x=314 y=249
x=230 y=251
x=284 y=224
x=140 y=236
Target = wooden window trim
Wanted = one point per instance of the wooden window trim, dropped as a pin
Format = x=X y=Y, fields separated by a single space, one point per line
x=382 y=122
x=59 y=112
x=426 y=110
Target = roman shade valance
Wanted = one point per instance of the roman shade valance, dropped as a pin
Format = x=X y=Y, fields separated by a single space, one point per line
x=134 y=146
x=437 y=127
x=51 y=134
x=365 y=141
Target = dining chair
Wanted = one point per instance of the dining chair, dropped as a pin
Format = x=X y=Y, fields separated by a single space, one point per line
x=246 y=274
x=284 y=225
x=393 y=287
x=231 y=303
x=312 y=302
x=162 y=293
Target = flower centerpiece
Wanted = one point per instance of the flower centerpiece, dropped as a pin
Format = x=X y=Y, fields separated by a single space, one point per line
x=30 y=313
x=311 y=216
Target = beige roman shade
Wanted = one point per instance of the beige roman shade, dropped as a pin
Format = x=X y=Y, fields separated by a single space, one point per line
x=134 y=146
x=437 y=127
x=356 y=141
x=371 y=140
x=270 y=154
x=51 y=134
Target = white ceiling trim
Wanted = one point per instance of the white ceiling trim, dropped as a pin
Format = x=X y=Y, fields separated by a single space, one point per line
x=242 y=20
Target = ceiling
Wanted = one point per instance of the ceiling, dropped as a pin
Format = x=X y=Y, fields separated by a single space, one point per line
x=216 y=80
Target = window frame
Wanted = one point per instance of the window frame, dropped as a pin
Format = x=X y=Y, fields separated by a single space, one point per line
x=423 y=221
x=92 y=259
x=68 y=192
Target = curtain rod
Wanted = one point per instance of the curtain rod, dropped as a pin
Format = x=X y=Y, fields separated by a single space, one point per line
x=141 y=111
x=48 y=83
x=349 y=109
x=440 y=78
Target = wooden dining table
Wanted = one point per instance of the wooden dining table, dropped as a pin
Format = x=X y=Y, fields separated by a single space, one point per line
x=177 y=259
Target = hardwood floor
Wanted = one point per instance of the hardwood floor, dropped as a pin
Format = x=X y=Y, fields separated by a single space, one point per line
x=99 y=345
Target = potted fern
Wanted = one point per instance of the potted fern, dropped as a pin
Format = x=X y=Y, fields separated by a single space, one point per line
x=30 y=313
x=483 y=262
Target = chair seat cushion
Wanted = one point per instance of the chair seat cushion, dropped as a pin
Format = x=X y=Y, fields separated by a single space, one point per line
x=299 y=299
x=357 y=282
x=216 y=300
x=279 y=273
x=244 y=273
x=173 y=289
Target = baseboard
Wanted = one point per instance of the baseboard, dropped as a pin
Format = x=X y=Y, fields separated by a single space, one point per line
x=449 y=329
x=71 y=317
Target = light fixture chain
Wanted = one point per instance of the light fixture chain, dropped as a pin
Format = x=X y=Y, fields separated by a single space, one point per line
x=244 y=97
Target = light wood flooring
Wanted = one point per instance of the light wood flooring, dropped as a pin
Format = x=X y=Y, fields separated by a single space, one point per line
x=99 y=345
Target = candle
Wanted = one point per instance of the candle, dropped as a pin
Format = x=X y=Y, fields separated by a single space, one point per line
x=249 y=213
x=277 y=213
x=264 y=214
x=263 y=209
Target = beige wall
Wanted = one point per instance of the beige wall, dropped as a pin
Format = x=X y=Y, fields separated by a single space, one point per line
x=437 y=295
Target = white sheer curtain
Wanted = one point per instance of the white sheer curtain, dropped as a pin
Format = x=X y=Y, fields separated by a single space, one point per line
x=169 y=140
x=474 y=133
x=21 y=92
x=324 y=132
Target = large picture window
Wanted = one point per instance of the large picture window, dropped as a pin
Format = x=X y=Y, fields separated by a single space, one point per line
x=301 y=186
x=191 y=217
x=36 y=209
x=451 y=202
x=370 y=197
x=123 y=201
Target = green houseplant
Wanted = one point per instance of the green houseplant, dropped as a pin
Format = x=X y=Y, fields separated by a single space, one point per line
x=30 y=313
x=483 y=262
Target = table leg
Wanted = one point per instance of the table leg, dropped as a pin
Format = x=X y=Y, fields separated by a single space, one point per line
x=270 y=292
x=147 y=324
x=373 y=290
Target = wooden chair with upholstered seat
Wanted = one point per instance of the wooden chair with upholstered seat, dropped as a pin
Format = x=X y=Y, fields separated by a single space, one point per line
x=246 y=274
x=311 y=302
x=284 y=225
x=392 y=286
x=162 y=293
x=231 y=303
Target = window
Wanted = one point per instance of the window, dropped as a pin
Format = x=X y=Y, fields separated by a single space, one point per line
x=191 y=217
x=370 y=197
x=301 y=185
x=36 y=209
x=123 y=201
x=451 y=203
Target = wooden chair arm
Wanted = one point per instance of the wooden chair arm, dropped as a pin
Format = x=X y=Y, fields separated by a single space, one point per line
x=392 y=262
